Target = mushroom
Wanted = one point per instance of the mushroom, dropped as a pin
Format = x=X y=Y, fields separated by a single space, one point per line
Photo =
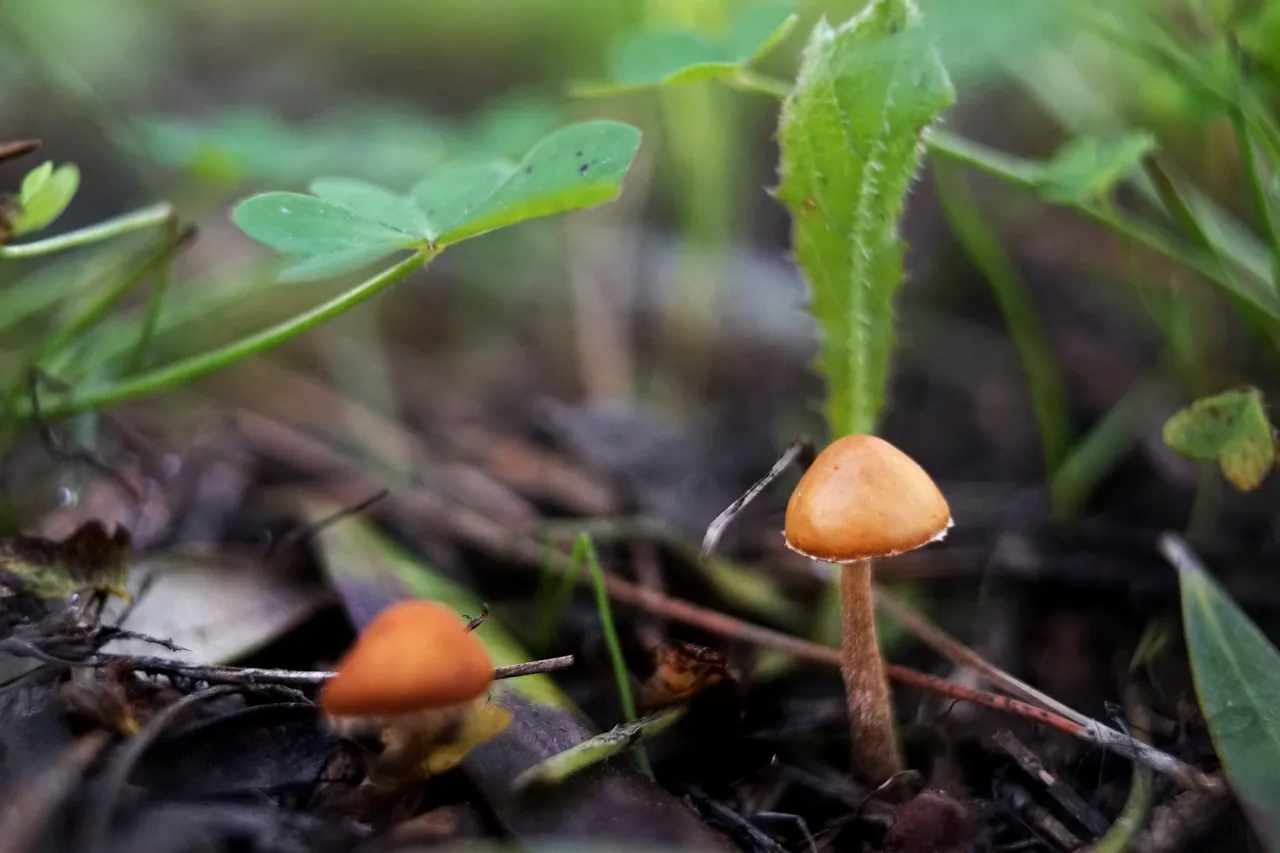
x=418 y=677
x=864 y=499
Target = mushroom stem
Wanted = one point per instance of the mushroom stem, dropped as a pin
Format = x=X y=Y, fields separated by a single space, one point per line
x=875 y=743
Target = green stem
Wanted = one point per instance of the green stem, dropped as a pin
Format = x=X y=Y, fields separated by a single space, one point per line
x=101 y=304
x=147 y=217
x=1044 y=382
x=746 y=80
x=584 y=550
x=151 y=316
x=1257 y=189
x=1021 y=173
x=180 y=372
x=975 y=155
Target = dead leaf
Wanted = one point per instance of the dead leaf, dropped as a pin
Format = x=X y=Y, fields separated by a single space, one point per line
x=217 y=606
x=681 y=670
x=50 y=570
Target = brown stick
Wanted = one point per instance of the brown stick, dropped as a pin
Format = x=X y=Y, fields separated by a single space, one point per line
x=871 y=719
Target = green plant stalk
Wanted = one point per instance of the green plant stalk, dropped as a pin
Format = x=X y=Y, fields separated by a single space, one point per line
x=555 y=591
x=583 y=549
x=1132 y=816
x=1044 y=381
x=1097 y=453
x=139 y=220
x=151 y=316
x=1019 y=173
x=746 y=80
x=1257 y=189
x=101 y=304
x=173 y=375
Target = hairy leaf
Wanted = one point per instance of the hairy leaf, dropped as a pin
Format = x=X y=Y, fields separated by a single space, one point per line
x=850 y=135
x=1231 y=428
x=1237 y=677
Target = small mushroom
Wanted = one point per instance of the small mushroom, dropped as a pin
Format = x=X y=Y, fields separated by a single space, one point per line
x=418 y=677
x=864 y=499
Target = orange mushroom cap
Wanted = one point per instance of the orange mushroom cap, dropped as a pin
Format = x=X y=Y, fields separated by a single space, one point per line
x=862 y=499
x=414 y=656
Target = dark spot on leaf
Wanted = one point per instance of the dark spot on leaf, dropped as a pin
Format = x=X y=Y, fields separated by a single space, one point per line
x=577 y=154
x=582 y=170
x=528 y=170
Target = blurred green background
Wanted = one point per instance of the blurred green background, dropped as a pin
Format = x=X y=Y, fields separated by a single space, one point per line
x=203 y=103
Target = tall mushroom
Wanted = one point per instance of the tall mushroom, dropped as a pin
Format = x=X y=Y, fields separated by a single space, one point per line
x=864 y=499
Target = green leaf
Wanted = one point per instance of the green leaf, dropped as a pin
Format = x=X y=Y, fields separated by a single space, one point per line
x=306 y=226
x=577 y=167
x=1231 y=428
x=349 y=223
x=1260 y=35
x=33 y=182
x=672 y=57
x=661 y=56
x=332 y=264
x=757 y=30
x=450 y=198
x=1237 y=678
x=372 y=202
x=1087 y=167
x=44 y=195
x=850 y=135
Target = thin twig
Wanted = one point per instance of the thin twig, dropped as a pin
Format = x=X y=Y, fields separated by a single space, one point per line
x=1067 y=797
x=1087 y=728
x=17 y=148
x=248 y=675
x=1036 y=817
x=716 y=529
x=307 y=531
x=958 y=653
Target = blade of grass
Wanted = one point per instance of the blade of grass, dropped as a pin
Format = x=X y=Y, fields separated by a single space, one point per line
x=1044 y=381
x=1257 y=188
x=151 y=317
x=92 y=313
x=555 y=592
x=584 y=550
x=1175 y=203
x=1098 y=452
